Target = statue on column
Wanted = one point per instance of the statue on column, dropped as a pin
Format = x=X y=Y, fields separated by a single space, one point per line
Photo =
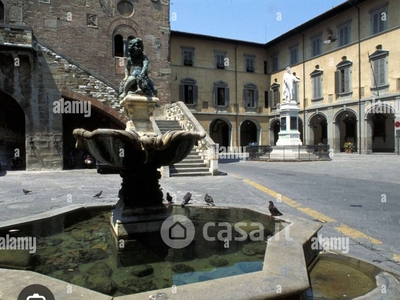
x=136 y=80
x=288 y=82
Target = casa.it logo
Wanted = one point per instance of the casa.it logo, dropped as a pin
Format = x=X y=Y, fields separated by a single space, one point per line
x=36 y=292
x=177 y=231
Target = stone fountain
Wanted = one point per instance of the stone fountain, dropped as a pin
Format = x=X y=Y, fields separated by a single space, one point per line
x=137 y=150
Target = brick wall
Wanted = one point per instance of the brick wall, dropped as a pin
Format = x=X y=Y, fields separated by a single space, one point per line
x=83 y=31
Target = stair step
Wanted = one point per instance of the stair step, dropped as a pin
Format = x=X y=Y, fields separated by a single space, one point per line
x=188 y=166
x=190 y=174
x=188 y=170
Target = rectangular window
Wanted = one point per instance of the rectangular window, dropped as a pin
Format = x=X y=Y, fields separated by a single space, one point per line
x=220 y=62
x=250 y=63
x=316 y=46
x=220 y=59
x=294 y=55
x=379 y=20
x=344 y=34
x=275 y=63
x=265 y=67
x=379 y=72
x=266 y=99
x=250 y=98
x=187 y=56
x=221 y=96
x=317 y=87
x=345 y=80
x=189 y=94
x=188 y=91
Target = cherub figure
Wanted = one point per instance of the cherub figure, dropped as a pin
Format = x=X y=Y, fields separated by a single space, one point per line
x=136 y=79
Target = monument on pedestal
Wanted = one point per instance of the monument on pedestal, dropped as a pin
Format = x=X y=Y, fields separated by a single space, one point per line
x=289 y=134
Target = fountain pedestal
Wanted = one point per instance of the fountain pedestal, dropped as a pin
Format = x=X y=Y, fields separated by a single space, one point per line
x=140 y=153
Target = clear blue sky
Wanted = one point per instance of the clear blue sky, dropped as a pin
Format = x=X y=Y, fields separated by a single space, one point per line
x=250 y=20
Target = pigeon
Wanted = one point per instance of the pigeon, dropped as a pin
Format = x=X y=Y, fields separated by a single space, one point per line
x=186 y=199
x=98 y=195
x=209 y=200
x=273 y=210
x=331 y=36
x=26 y=191
x=169 y=198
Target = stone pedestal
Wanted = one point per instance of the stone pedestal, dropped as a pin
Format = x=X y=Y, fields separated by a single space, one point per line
x=289 y=134
x=126 y=221
x=139 y=108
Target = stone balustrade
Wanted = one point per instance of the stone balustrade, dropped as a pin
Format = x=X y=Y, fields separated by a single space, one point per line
x=207 y=148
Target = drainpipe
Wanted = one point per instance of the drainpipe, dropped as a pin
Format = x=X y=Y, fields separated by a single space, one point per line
x=359 y=75
x=304 y=90
x=360 y=117
x=236 y=99
x=304 y=95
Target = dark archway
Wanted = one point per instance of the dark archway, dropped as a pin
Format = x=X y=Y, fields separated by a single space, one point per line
x=274 y=132
x=219 y=132
x=347 y=125
x=248 y=133
x=319 y=129
x=2 y=19
x=96 y=120
x=383 y=132
x=12 y=133
x=300 y=128
x=118 y=45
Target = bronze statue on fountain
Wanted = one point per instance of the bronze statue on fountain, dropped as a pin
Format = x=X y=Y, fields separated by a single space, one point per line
x=136 y=79
x=137 y=150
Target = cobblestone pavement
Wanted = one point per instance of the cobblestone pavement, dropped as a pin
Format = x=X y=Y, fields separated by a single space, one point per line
x=355 y=196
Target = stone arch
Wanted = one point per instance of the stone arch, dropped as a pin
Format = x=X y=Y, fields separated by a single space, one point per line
x=124 y=27
x=274 y=128
x=107 y=110
x=300 y=128
x=345 y=128
x=318 y=128
x=379 y=130
x=249 y=132
x=220 y=131
x=12 y=132
x=102 y=116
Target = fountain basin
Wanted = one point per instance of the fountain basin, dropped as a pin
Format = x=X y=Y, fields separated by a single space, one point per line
x=284 y=270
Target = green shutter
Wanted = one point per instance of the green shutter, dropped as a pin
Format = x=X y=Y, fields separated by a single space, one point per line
x=227 y=96
x=270 y=98
x=195 y=94
x=346 y=80
x=182 y=92
x=337 y=82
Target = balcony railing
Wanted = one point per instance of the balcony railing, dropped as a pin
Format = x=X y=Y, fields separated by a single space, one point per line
x=303 y=153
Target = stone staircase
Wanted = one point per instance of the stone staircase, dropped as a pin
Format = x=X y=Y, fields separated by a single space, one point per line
x=193 y=164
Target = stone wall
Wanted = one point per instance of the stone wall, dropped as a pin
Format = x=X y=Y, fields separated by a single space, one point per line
x=83 y=31
x=68 y=76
